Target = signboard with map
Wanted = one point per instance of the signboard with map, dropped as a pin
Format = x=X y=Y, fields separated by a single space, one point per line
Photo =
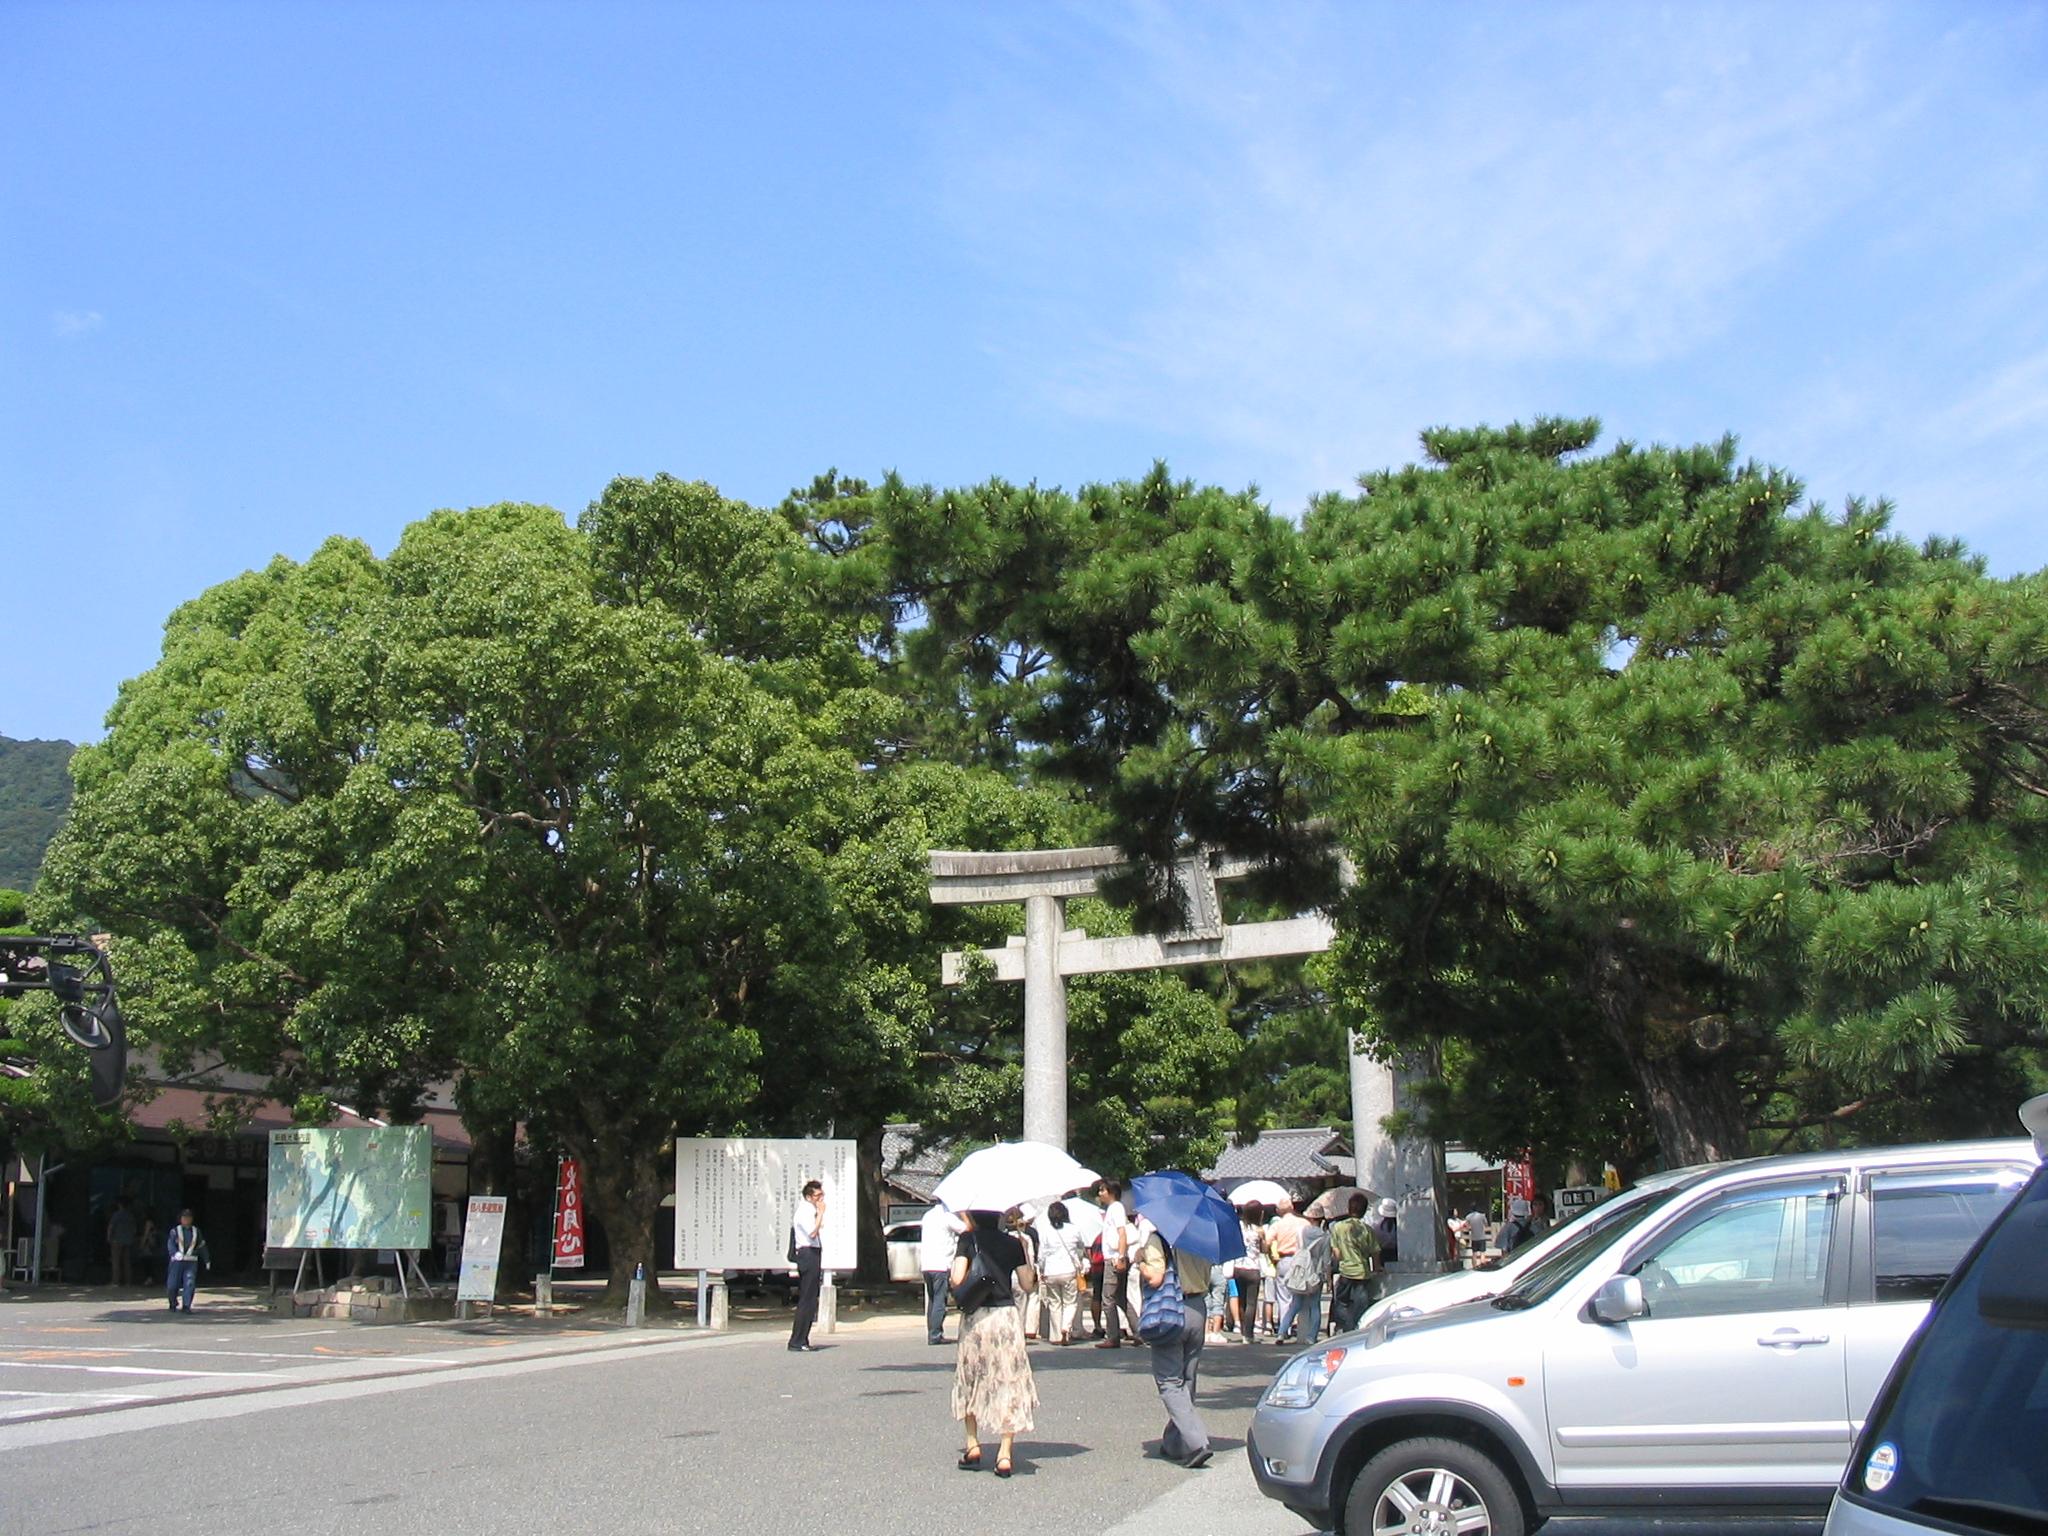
x=363 y=1187
x=735 y=1199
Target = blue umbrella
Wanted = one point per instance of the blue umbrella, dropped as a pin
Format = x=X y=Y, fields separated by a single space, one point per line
x=1189 y=1214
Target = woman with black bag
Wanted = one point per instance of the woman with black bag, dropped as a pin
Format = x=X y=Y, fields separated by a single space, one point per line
x=993 y=1389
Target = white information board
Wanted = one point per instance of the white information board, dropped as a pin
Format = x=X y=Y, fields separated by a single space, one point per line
x=736 y=1197
x=483 y=1235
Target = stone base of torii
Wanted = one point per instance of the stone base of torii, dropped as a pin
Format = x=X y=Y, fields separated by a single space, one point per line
x=1409 y=1169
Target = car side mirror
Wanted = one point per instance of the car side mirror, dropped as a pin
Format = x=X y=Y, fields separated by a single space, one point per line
x=1618 y=1300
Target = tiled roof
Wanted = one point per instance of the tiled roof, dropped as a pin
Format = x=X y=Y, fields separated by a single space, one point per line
x=1314 y=1153
x=914 y=1169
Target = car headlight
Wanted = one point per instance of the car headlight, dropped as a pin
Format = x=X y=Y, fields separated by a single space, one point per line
x=1302 y=1379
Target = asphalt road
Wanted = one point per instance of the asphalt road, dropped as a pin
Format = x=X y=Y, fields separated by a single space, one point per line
x=261 y=1425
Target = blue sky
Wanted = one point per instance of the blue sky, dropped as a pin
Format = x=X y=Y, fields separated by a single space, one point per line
x=270 y=273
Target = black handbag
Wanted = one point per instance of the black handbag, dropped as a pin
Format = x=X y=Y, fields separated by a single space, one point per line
x=981 y=1286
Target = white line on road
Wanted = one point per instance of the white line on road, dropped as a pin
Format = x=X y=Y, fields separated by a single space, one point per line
x=264 y=1354
x=137 y=1370
x=194 y=1410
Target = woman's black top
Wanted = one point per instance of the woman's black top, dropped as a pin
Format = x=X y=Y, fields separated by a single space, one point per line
x=1004 y=1255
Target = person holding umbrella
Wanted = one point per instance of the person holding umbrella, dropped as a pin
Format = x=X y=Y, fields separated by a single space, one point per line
x=1193 y=1228
x=993 y=1388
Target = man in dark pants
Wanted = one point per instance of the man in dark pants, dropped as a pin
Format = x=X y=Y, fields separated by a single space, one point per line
x=808 y=1236
x=1356 y=1250
x=937 y=1236
x=1116 y=1264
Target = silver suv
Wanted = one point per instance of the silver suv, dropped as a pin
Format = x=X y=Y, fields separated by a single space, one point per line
x=1717 y=1351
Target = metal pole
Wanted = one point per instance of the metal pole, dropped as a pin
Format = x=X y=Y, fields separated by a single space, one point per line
x=704 y=1298
x=35 y=1262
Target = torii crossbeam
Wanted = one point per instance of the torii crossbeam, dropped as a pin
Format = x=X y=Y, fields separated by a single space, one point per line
x=1049 y=952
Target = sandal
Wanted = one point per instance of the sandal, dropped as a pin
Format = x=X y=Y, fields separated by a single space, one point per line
x=970 y=1460
x=1003 y=1467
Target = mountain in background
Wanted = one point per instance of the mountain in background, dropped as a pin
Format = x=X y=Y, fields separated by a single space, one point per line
x=35 y=792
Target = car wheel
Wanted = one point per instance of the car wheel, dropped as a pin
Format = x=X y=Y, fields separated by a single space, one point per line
x=1433 y=1488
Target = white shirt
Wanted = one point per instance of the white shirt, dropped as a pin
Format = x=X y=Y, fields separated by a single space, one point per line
x=937 y=1236
x=1475 y=1228
x=1061 y=1252
x=806 y=1226
x=1115 y=1231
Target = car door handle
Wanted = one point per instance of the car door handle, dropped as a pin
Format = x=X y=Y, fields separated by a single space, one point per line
x=1788 y=1338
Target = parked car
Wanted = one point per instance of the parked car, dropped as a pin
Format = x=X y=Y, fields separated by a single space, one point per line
x=901 y=1244
x=1460 y=1285
x=1958 y=1438
x=1713 y=1352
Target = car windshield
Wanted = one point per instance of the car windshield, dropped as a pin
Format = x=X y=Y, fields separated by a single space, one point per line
x=1957 y=1435
x=1590 y=1235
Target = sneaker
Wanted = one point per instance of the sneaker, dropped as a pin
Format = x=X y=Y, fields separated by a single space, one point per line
x=1199 y=1460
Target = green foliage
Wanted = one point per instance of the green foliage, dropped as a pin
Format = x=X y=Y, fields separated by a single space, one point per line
x=577 y=815
x=35 y=791
x=1686 y=807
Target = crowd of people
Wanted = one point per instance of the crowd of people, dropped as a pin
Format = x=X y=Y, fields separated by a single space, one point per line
x=1026 y=1274
x=1031 y=1275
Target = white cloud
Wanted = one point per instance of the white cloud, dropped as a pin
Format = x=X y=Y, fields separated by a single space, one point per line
x=76 y=322
x=2013 y=401
x=1304 y=240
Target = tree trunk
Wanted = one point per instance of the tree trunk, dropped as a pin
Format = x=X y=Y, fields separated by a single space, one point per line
x=622 y=1178
x=872 y=1254
x=1693 y=1097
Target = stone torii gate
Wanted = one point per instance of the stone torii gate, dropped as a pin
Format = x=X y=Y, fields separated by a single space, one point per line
x=1050 y=952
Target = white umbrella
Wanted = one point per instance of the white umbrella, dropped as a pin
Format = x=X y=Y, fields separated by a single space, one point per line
x=1010 y=1173
x=1265 y=1191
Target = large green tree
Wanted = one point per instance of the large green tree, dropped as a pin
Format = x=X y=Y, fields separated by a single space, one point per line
x=575 y=814
x=1649 y=774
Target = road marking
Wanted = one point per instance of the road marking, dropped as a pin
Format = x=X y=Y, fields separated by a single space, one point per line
x=128 y=1370
x=114 y=1351
x=162 y=1412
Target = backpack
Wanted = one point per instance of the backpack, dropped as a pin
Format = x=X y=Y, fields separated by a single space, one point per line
x=1164 y=1314
x=1308 y=1268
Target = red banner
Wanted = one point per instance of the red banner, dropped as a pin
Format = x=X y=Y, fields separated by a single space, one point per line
x=568 y=1250
x=1518 y=1180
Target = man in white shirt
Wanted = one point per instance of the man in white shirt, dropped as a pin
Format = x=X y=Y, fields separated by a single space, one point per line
x=1117 y=1254
x=937 y=1234
x=807 y=1236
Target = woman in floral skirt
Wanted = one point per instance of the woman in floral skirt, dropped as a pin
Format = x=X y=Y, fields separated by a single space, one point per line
x=993 y=1389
